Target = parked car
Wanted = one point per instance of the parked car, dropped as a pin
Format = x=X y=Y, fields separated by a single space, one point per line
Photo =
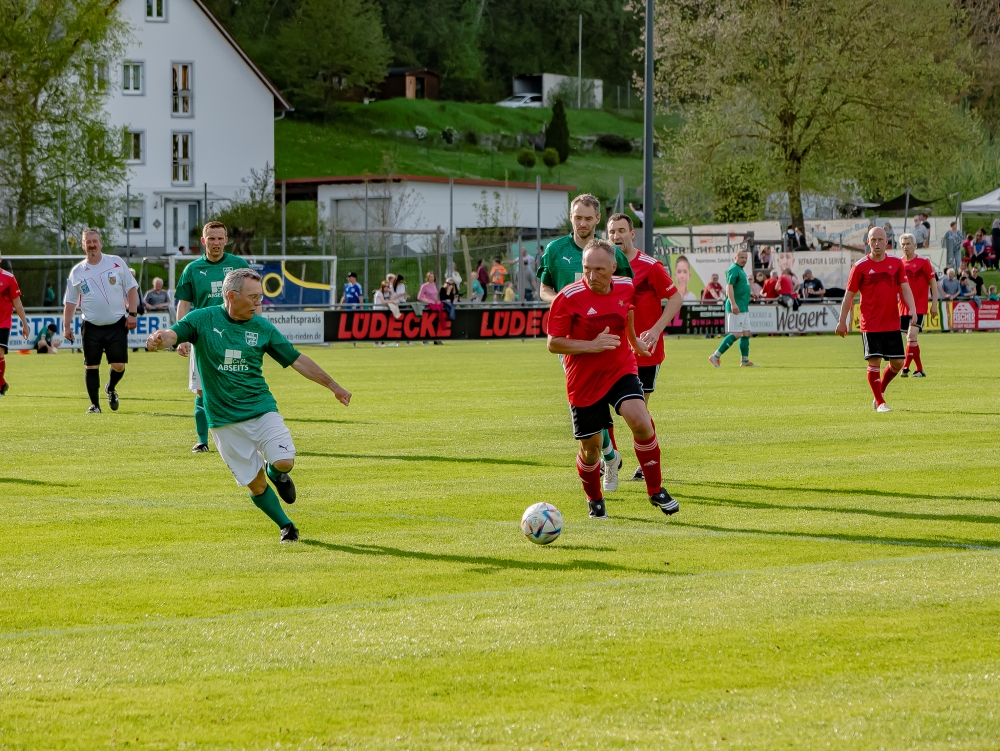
x=522 y=100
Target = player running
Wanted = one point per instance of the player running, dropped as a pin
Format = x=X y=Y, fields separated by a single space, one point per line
x=108 y=297
x=562 y=265
x=737 y=312
x=200 y=287
x=586 y=325
x=10 y=300
x=922 y=279
x=881 y=280
x=247 y=429
x=652 y=285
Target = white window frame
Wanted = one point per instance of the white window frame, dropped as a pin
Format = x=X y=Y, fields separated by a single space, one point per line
x=130 y=68
x=177 y=164
x=137 y=210
x=130 y=143
x=152 y=5
x=176 y=97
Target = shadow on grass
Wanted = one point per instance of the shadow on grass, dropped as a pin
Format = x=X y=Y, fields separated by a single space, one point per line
x=164 y=414
x=427 y=458
x=44 y=483
x=871 y=539
x=830 y=491
x=483 y=562
x=328 y=420
x=966 y=518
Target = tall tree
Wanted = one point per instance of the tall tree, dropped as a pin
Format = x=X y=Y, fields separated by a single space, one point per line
x=813 y=92
x=56 y=58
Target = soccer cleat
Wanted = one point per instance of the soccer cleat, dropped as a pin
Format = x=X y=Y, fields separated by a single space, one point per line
x=748 y=364
x=199 y=448
x=94 y=410
x=609 y=482
x=905 y=373
x=715 y=361
x=598 y=510
x=920 y=374
x=637 y=475
x=284 y=486
x=4 y=388
x=664 y=502
x=289 y=533
x=883 y=407
x=112 y=398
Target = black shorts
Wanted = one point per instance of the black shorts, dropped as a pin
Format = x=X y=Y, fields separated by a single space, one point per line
x=591 y=420
x=885 y=344
x=4 y=339
x=647 y=377
x=904 y=323
x=111 y=340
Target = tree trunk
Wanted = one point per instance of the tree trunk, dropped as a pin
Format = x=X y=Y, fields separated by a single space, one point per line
x=793 y=178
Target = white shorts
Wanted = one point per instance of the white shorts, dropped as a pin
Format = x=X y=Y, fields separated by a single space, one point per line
x=194 y=380
x=737 y=323
x=244 y=446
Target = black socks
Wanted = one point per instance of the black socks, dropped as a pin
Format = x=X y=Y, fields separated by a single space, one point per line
x=93 y=385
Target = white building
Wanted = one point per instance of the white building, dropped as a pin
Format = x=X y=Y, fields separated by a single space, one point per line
x=199 y=114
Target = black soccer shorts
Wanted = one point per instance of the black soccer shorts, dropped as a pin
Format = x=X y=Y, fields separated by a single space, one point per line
x=885 y=344
x=591 y=420
x=110 y=340
x=4 y=339
x=904 y=323
x=647 y=377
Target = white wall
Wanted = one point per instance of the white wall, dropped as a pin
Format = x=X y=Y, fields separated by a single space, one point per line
x=232 y=122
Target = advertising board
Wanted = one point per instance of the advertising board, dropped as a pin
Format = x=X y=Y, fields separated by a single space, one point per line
x=145 y=325
x=298 y=327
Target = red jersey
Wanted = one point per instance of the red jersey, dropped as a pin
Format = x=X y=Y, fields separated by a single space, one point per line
x=785 y=286
x=9 y=292
x=879 y=285
x=579 y=313
x=652 y=284
x=919 y=273
x=770 y=288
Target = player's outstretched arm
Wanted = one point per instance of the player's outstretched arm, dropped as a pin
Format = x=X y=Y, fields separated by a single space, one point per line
x=845 y=312
x=161 y=340
x=307 y=367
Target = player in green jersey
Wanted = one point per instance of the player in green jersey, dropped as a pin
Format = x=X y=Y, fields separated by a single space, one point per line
x=562 y=265
x=737 y=312
x=200 y=287
x=247 y=429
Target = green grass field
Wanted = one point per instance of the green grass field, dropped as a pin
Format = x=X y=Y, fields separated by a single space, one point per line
x=832 y=579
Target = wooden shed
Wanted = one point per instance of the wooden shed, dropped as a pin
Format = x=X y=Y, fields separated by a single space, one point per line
x=411 y=83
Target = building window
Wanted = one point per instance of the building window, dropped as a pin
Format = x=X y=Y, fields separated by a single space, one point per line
x=135 y=146
x=183 y=168
x=134 y=213
x=182 y=80
x=156 y=10
x=133 y=78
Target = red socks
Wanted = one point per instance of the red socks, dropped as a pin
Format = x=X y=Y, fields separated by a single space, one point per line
x=611 y=435
x=916 y=357
x=3 y=369
x=648 y=455
x=875 y=381
x=887 y=375
x=590 y=474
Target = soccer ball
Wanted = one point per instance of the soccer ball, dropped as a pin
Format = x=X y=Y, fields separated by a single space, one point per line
x=542 y=523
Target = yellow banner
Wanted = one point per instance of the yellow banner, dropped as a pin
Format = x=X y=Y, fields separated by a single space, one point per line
x=932 y=321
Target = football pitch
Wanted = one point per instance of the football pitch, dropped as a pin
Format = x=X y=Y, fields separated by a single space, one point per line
x=831 y=581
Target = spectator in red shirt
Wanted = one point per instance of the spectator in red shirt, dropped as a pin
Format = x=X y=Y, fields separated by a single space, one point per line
x=713 y=290
x=786 y=291
x=771 y=286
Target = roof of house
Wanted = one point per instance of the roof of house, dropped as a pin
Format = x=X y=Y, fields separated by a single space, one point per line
x=280 y=103
x=305 y=188
x=404 y=71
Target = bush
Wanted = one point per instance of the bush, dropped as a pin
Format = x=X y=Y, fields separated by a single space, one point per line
x=557 y=133
x=614 y=143
x=550 y=158
x=471 y=138
x=449 y=135
x=526 y=158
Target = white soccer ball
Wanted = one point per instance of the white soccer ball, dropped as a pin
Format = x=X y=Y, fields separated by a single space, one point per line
x=542 y=523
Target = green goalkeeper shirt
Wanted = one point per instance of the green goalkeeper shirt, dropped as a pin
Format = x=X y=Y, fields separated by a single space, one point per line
x=562 y=263
x=230 y=357
x=201 y=280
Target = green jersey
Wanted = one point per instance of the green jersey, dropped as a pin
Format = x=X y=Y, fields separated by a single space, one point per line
x=737 y=277
x=230 y=355
x=201 y=280
x=562 y=263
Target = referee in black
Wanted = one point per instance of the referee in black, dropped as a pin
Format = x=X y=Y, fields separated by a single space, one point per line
x=108 y=297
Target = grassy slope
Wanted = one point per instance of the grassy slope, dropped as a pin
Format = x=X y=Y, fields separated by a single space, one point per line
x=348 y=147
x=830 y=580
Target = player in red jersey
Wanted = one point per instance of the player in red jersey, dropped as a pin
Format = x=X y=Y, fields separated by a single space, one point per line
x=881 y=280
x=652 y=285
x=920 y=274
x=587 y=323
x=10 y=300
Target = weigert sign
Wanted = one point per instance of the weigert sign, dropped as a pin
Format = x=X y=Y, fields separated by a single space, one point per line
x=810 y=318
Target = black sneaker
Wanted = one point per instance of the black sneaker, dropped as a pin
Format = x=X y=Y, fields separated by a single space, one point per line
x=920 y=374
x=289 y=533
x=284 y=486
x=94 y=410
x=199 y=448
x=637 y=475
x=598 y=510
x=664 y=502
x=3 y=389
x=112 y=398
x=905 y=373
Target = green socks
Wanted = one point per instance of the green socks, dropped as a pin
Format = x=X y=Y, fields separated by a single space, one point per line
x=607 y=450
x=745 y=347
x=200 y=419
x=268 y=503
x=274 y=474
x=728 y=342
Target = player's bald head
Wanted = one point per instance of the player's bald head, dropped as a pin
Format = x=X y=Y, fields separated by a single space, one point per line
x=876 y=232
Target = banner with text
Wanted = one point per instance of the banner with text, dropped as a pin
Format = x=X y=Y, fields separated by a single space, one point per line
x=298 y=328
x=145 y=325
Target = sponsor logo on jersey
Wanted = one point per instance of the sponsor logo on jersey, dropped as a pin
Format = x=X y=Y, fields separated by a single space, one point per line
x=220 y=333
x=251 y=337
x=226 y=269
x=111 y=279
x=591 y=312
x=216 y=289
x=234 y=362
x=84 y=287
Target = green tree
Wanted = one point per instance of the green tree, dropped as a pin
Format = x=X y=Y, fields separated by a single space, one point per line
x=326 y=50
x=738 y=195
x=815 y=92
x=550 y=158
x=557 y=132
x=56 y=60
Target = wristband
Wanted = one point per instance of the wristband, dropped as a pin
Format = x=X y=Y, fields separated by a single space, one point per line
x=134 y=315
